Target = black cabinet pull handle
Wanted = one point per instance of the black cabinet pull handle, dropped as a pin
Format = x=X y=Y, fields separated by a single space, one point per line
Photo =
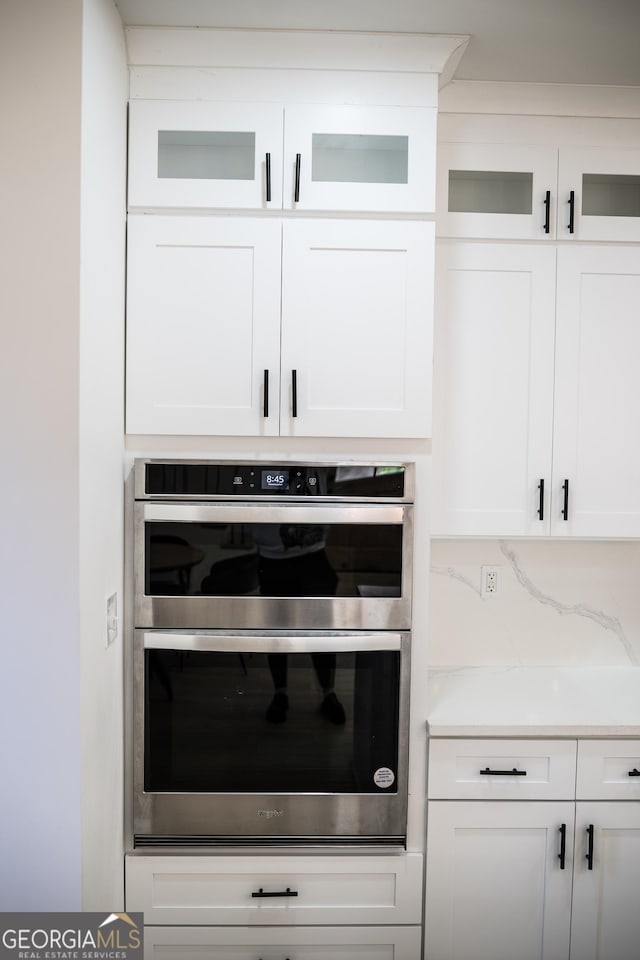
x=589 y=856
x=565 y=501
x=268 y=175
x=541 y=499
x=547 y=211
x=634 y=773
x=563 y=845
x=294 y=393
x=296 y=193
x=262 y=894
x=265 y=396
x=503 y=773
x=572 y=206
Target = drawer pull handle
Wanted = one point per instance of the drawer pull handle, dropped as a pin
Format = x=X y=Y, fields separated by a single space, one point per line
x=503 y=773
x=563 y=845
x=634 y=773
x=589 y=855
x=275 y=893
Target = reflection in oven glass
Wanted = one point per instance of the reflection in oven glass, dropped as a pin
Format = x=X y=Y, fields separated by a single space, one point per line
x=270 y=559
x=208 y=728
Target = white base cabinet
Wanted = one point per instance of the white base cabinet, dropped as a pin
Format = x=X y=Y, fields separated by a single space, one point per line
x=605 y=921
x=301 y=943
x=279 y=907
x=258 y=327
x=554 y=879
x=495 y=886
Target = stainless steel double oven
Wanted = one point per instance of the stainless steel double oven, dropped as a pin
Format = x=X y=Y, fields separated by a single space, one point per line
x=271 y=653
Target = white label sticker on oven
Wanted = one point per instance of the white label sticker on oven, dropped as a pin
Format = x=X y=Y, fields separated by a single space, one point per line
x=384 y=777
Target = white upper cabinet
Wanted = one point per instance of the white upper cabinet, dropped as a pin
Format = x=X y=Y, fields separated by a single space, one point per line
x=521 y=190
x=502 y=191
x=198 y=154
x=493 y=388
x=357 y=327
x=360 y=158
x=202 y=154
x=599 y=194
x=252 y=326
x=203 y=325
x=596 y=446
x=536 y=411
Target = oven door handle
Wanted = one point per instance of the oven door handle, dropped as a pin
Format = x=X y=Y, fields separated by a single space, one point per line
x=245 y=643
x=289 y=513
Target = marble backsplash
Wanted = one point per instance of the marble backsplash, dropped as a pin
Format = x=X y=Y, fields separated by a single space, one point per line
x=557 y=603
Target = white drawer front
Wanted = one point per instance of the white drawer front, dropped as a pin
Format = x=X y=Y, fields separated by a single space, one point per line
x=502 y=769
x=271 y=890
x=608 y=770
x=303 y=943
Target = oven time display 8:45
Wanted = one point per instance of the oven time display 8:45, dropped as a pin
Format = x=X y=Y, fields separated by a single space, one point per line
x=275 y=480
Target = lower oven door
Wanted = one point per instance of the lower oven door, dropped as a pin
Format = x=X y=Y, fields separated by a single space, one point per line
x=285 y=738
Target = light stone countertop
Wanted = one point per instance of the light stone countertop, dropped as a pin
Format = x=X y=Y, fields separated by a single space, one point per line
x=534 y=702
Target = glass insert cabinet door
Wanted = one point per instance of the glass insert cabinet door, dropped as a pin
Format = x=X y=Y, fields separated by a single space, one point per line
x=599 y=194
x=496 y=190
x=359 y=158
x=202 y=154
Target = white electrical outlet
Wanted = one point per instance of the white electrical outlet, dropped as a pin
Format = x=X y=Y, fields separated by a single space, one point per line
x=489 y=586
x=112 y=618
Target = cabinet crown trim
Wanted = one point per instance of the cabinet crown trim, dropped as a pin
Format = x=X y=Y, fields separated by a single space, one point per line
x=304 y=49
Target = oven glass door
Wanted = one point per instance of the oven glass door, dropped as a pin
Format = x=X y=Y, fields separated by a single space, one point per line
x=271 y=715
x=204 y=566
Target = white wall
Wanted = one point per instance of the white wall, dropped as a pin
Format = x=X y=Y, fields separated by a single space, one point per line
x=63 y=92
x=105 y=84
x=40 y=66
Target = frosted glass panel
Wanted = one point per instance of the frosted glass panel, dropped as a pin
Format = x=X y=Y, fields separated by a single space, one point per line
x=206 y=155
x=359 y=158
x=606 y=195
x=490 y=191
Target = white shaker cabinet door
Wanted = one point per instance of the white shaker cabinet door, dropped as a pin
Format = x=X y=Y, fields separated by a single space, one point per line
x=596 y=451
x=496 y=190
x=296 y=943
x=357 y=318
x=203 y=326
x=201 y=154
x=493 y=389
x=605 y=923
x=495 y=884
x=599 y=194
x=359 y=158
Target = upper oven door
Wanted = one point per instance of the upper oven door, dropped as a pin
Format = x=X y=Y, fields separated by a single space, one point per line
x=269 y=565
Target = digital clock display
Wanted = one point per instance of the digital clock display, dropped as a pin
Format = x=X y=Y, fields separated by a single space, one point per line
x=275 y=479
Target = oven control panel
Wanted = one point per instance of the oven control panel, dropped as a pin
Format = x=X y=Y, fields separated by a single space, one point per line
x=214 y=480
